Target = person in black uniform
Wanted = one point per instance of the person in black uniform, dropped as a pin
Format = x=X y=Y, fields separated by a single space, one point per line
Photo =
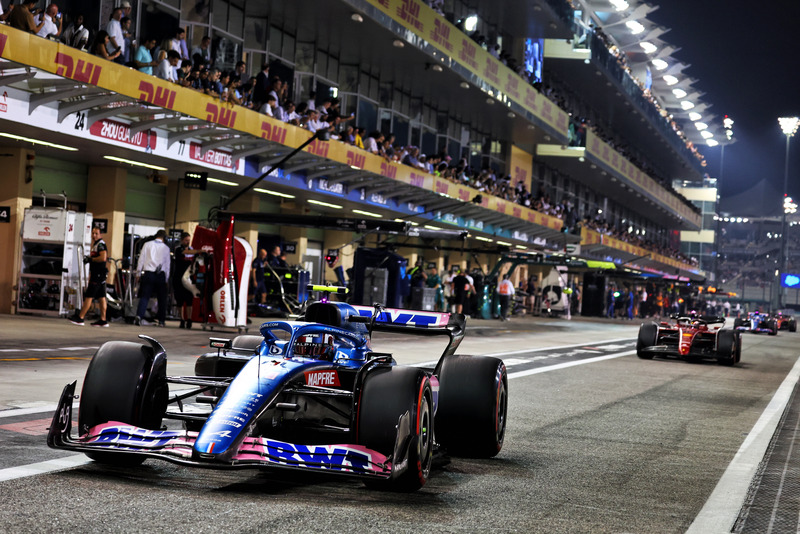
x=461 y=287
x=183 y=297
x=96 y=289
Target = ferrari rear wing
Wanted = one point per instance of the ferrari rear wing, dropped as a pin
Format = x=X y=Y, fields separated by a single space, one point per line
x=416 y=322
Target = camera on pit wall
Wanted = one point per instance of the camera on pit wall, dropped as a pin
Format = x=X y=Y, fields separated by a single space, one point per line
x=332 y=257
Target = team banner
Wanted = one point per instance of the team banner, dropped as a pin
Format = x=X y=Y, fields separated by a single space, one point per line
x=418 y=18
x=633 y=175
x=591 y=237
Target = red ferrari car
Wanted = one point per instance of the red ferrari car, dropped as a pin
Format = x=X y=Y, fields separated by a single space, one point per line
x=690 y=338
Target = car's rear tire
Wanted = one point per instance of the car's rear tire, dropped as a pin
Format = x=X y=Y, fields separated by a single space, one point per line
x=387 y=394
x=646 y=339
x=473 y=406
x=737 y=322
x=125 y=382
x=793 y=326
x=728 y=347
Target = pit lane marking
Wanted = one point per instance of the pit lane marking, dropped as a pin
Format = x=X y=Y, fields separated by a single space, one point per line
x=55 y=349
x=41 y=468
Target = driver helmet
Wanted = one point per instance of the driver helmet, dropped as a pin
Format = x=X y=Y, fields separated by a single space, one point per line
x=318 y=346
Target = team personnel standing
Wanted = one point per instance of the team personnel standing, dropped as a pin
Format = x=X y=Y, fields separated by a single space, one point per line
x=153 y=265
x=183 y=297
x=460 y=290
x=257 y=277
x=505 y=290
x=96 y=289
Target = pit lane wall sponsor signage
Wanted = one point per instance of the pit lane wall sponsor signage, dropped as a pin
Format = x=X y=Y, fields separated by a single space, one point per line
x=418 y=18
x=590 y=237
x=71 y=63
x=633 y=175
x=121 y=132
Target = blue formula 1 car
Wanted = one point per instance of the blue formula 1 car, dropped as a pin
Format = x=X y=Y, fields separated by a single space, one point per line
x=306 y=395
x=757 y=322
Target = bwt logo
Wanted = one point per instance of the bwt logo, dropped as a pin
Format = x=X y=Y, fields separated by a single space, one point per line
x=160 y=96
x=356 y=160
x=83 y=72
x=441 y=34
x=223 y=116
x=390 y=171
x=273 y=133
x=319 y=148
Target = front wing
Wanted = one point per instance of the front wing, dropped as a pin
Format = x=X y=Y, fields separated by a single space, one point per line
x=255 y=452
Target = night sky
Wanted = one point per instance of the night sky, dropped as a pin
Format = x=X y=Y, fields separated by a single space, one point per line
x=742 y=54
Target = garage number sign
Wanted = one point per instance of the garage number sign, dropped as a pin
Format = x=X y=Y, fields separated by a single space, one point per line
x=5 y=214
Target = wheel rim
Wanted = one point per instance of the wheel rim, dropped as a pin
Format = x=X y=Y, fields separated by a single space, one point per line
x=424 y=428
x=500 y=428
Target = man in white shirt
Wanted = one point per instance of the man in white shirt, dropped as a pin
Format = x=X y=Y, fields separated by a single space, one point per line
x=114 y=29
x=505 y=290
x=314 y=123
x=165 y=69
x=154 y=265
x=52 y=22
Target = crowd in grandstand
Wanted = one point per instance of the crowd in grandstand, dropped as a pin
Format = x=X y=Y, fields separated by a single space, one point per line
x=172 y=60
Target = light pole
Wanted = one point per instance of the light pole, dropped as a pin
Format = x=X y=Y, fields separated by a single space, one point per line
x=788 y=127
x=727 y=122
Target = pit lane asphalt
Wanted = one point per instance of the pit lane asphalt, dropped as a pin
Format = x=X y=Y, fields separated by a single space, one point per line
x=614 y=445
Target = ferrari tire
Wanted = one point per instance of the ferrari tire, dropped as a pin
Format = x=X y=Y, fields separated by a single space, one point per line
x=793 y=326
x=473 y=406
x=386 y=395
x=125 y=383
x=728 y=347
x=647 y=338
x=247 y=342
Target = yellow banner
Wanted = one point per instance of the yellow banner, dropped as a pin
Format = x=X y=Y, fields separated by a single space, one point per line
x=520 y=167
x=56 y=58
x=633 y=175
x=424 y=22
x=592 y=237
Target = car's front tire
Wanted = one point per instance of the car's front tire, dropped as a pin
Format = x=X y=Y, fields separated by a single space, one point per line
x=125 y=382
x=647 y=338
x=386 y=395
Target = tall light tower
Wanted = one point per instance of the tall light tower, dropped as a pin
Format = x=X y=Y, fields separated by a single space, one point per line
x=788 y=127
x=727 y=122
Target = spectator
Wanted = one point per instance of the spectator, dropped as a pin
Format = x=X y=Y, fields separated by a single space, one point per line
x=203 y=50
x=96 y=288
x=240 y=71
x=21 y=18
x=100 y=46
x=260 y=89
x=183 y=72
x=210 y=87
x=166 y=69
x=275 y=258
x=359 y=138
x=74 y=29
x=175 y=41
x=4 y=15
x=51 y=19
x=144 y=56
x=154 y=264
x=371 y=143
x=115 y=41
x=125 y=57
x=312 y=102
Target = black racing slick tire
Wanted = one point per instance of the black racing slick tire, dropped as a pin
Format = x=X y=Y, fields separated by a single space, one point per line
x=647 y=338
x=387 y=394
x=773 y=328
x=793 y=326
x=473 y=406
x=728 y=347
x=737 y=322
x=247 y=342
x=125 y=382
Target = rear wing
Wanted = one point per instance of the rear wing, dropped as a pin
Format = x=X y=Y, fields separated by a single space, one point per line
x=417 y=322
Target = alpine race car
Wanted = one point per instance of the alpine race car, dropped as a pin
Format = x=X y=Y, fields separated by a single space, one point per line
x=304 y=395
x=691 y=338
x=785 y=320
x=756 y=322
